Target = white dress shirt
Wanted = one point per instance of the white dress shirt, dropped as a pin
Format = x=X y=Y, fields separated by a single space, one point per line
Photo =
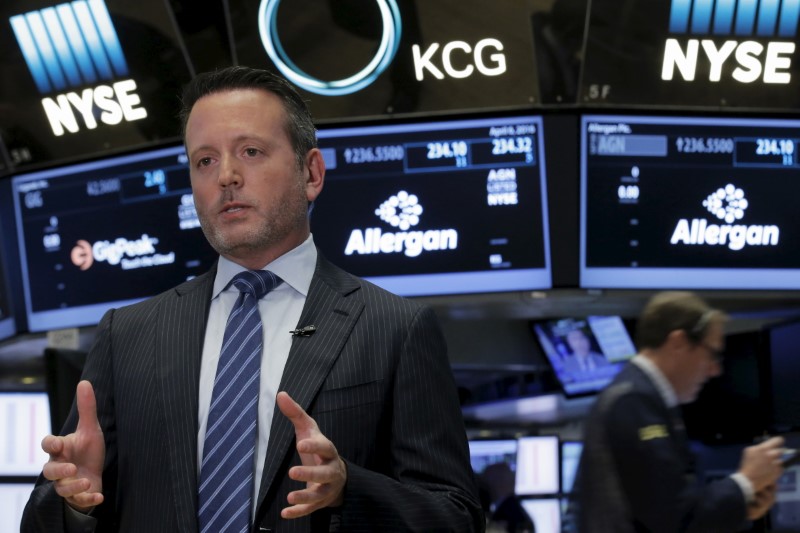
x=280 y=311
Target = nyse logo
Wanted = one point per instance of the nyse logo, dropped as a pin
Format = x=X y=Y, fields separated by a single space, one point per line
x=747 y=40
x=71 y=46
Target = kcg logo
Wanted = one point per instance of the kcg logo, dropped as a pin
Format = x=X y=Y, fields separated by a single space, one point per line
x=70 y=46
x=390 y=40
x=437 y=60
x=728 y=205
x=402 y=211
x=756 y=35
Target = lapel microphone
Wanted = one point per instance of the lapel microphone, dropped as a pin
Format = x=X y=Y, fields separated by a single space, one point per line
x=306 y=331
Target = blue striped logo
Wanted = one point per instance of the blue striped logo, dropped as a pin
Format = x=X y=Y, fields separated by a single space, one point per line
x=760 y=18
x=69 y=45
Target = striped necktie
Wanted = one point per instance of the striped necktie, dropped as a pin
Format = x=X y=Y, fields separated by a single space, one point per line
x=226 y=473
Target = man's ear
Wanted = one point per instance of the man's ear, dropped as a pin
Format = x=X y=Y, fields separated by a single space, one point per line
x=315 y=174
x=678 y=339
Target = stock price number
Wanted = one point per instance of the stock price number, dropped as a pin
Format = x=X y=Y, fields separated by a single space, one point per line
x=699 y=145
x=512 y=145
x=447 y=150
x=783 y=148
x=374 y=154
x=157 y=179
x=628 y=193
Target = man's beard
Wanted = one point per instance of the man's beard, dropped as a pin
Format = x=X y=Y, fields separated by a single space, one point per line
x=287 y=216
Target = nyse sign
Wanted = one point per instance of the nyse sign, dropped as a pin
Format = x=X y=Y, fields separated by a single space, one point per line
x=116 y=103
x=752 y=60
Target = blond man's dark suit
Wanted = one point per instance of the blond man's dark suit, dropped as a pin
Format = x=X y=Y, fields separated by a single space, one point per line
x=374 y=376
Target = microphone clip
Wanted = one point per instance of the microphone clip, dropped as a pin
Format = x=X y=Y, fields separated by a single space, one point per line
x=306 y=331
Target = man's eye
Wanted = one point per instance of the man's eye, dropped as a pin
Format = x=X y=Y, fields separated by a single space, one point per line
x=204 y=162
x=251 y=151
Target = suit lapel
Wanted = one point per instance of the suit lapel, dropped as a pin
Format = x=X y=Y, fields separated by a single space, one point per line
x=179 y=342
x=334 y=310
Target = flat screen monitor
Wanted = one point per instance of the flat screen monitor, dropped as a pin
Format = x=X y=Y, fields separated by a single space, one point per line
x=570 y=458
x=24 y=422
x=545 y=513
x=437 y=207
x=585 y=353
x=537 y=466
x=485 y=453
x=105 y=233
x=13 y=498
x=689 y=202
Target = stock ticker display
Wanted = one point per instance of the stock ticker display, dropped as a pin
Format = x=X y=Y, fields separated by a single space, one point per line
x=106 y=233
x=705 y=203
x=437 y=208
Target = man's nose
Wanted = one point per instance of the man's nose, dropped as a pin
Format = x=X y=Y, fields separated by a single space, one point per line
x=229 y=172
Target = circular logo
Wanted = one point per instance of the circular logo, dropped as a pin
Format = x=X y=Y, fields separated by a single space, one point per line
x=81 y=255
x=390 y=41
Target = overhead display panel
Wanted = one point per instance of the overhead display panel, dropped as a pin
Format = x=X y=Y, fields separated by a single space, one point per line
x=372 y=58
x=437 y=207
x=682 y=202
x=104 y=234
x=705 y=53
x=86 y=77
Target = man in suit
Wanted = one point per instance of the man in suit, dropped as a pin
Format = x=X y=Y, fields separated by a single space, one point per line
x=636 y=471
x=366 y=433
x=583 y=361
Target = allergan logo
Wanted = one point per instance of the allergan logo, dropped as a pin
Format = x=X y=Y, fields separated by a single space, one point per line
x=71 y=46
x=727 y=205
x=762 y=46
x=401 y=211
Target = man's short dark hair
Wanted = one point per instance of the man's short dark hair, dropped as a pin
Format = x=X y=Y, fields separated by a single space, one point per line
x=299 y=123
x=669 y=311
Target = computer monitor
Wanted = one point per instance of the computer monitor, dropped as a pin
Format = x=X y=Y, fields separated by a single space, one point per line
x=438 y=206
x=537 y=466
x=585 y=353
x=105 y=233
x=570 y=459
x=545 y=513
x=13 y=498
x=24 y=422
x=689 y=202
x=484 y=453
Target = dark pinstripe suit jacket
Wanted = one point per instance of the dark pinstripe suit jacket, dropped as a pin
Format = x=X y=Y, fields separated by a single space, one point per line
x=374 y=376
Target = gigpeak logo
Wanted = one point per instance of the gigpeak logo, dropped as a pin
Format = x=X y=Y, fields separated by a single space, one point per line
x=401 y=211
x=127 y=254
x=728 y=205
x=71 y=46
x=748 y=40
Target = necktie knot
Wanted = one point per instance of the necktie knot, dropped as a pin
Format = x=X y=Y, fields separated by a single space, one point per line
x=255 y=282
